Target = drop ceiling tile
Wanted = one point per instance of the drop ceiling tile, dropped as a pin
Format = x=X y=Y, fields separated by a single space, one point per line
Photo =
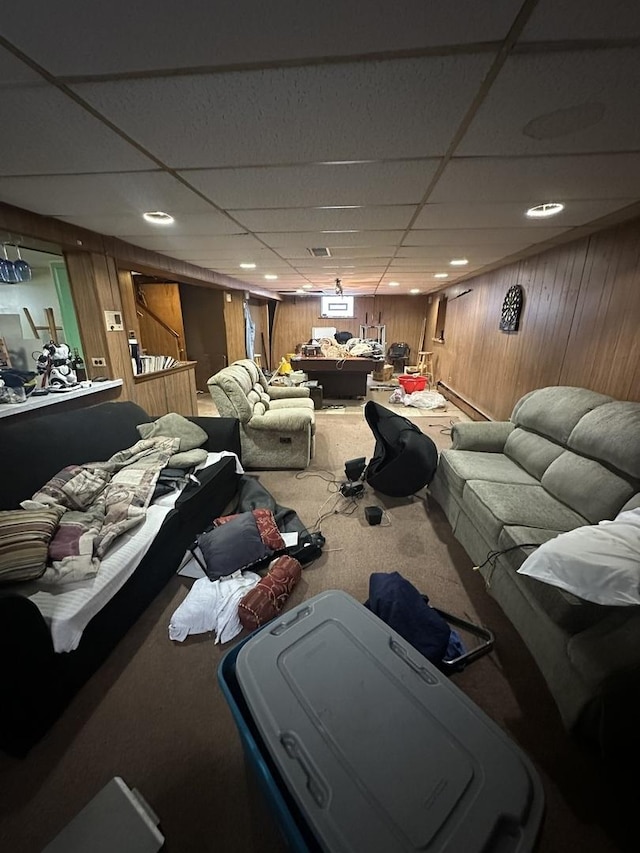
x=574 y=19
x=93 y=39
x=357 y=252
x=316 y=184
x=102 y=195
x=296 y=115
x=50 y=134
x=535 y=179
x=128 y=226
x=14 y=72
x=197 y=242
x=534 y=85
x=479 y=236
x=441 y=256
x=303 y=240
x=507 y=214
x=328 y=222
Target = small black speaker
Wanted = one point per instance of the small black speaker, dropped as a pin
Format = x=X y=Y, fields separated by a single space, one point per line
x=373 y=514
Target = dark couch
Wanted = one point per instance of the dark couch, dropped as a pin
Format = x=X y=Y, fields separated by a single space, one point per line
x=37 y=683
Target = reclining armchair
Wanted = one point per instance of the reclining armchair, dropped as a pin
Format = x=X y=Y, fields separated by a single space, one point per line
x=276 y=429
x=276 y=392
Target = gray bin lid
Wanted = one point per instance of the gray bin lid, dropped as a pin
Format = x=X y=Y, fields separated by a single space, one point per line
x=378 y=748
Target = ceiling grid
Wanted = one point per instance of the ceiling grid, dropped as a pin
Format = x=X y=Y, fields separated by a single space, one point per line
x=398 y=141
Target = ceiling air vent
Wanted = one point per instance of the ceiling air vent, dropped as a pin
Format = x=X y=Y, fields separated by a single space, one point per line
x=320 y=253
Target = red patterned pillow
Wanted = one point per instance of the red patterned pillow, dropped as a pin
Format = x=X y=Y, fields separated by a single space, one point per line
x=268 y=597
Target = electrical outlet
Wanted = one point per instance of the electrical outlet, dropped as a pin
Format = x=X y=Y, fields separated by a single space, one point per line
x=99 y=362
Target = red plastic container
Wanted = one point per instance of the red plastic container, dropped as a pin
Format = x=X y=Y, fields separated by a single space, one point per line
x=412 y=383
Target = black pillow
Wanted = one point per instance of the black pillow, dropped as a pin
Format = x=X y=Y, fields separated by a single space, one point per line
x=232 y=546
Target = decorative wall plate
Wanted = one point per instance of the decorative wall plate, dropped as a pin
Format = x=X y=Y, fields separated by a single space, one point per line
x=511 y=308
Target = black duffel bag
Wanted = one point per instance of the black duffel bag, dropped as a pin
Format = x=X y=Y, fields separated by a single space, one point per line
x=404 y=460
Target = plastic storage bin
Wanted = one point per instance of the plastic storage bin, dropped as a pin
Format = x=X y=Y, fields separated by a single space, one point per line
x=359 y=743
x=412 y=383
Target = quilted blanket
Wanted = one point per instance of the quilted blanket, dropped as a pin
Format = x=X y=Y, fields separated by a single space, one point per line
x=101 y=500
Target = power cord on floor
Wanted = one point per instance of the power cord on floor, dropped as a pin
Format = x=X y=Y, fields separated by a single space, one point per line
x=492 y=557
x=448 y=429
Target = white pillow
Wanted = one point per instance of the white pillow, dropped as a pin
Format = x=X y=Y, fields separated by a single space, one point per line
x=599 y=562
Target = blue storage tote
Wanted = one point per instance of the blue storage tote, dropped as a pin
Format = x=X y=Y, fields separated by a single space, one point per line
x=361 y=744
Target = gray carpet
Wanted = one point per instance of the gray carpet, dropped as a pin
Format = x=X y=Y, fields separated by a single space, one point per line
x=154 y=714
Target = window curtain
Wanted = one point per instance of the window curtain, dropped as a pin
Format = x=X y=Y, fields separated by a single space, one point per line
x=249 y=331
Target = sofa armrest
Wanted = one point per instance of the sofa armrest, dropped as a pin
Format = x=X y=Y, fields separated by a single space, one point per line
x=224 y=433
x=287 y=392
x=283 y=420
x=486 y=436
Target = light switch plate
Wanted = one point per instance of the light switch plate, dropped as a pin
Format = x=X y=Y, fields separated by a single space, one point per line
x=114 y=321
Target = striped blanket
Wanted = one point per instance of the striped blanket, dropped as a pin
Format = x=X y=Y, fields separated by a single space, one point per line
x=100 y=500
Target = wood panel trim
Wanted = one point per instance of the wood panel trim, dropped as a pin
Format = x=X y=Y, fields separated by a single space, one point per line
x=154 y=374
x=462 y=403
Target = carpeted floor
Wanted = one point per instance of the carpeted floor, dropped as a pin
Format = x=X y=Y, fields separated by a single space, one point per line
x=154 y=714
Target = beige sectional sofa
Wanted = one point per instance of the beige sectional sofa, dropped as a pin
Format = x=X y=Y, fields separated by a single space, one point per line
x=568 y=457
x=277 y=424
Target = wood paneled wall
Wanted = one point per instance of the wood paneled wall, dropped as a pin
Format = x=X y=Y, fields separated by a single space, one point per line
x=163 y=303
x=205 y=334
x=579 y=325
x=403 y=316
x=95 y=288
x=168 y=391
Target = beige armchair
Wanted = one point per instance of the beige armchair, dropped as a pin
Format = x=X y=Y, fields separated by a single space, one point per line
x=275 y=432
x=275 y=392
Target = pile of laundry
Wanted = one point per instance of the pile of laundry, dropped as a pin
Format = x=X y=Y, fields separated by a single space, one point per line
x=353 y=348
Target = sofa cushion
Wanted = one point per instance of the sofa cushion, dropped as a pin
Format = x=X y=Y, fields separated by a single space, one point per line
x=293 y=403
x=555 y=411
x=531 y=451
x=458 y=466
x=234 y=383
x=262 y=394
x=598 y=562
x=586 y=486
x=610 y=433
x=570 y=613
x=492 y=505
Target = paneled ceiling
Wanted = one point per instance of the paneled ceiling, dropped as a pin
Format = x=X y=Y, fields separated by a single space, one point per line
x=399 y=136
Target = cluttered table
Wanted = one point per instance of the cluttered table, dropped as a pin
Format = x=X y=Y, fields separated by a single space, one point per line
x=339 y=377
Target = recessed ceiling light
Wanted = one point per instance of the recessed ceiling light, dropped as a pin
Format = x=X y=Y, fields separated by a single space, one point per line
x=394 y=284
x=459 y=262
x=308 y=286
x=157 y=217
x=247 y=266
x=441 y=275
x=339 y=207
x=270 y=277
x=301 y=292
x=342 y=231
x=541 y=211
x=414 y=290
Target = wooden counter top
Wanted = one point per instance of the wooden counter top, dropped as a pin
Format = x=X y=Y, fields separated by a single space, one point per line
x=54 y=398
